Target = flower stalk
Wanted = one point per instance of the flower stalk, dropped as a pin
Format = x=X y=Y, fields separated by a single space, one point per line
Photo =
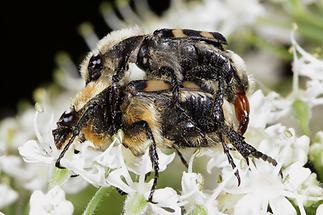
x=96 y=199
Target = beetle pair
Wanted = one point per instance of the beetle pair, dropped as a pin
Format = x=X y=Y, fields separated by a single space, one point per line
x=193 y=95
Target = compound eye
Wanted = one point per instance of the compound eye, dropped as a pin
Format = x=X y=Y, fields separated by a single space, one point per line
x=67 y=118
x=94 y=68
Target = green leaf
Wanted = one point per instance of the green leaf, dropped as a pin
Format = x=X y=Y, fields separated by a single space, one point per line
x=303 y=113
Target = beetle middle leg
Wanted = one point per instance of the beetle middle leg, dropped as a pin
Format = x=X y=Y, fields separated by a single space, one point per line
x=184 y=162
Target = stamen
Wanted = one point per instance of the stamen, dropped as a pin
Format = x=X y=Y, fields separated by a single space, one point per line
x=110 y=17
x=129 y=16
x=88 y=34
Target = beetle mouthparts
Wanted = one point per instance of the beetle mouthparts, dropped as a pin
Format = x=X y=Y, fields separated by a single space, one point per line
x=60 y=135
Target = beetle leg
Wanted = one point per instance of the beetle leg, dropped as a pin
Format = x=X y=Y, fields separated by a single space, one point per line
x=198 y=76
x=154 y=160
x=143 y=126
x=88 y=113
x=181 y=156
x=114 y=98
x=245 y=149
x=230 y=159
x=61 y=155
x=242 y=109
x=120 y=191
x=217 y=111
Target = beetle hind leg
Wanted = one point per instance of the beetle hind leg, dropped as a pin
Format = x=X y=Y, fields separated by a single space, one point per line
x=247 y=150
x=154 y=160
x=230 y=159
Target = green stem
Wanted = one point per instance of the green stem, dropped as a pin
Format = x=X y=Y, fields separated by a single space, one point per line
x=277 y=50
x=310 y=22
x=94 y=202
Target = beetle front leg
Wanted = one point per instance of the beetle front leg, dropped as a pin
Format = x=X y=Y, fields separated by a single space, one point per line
x=89 y=110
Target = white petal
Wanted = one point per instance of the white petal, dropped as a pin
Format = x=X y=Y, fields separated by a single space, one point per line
x=84 y=163
x=250 y=205
x=281 y=206
x=142 y=165
x=52 y=203
x=164 y=159
x=267 y=109
x=120 y=178
x=217 y=159
x=297 y=175
x=32 y=152
x=111 y=157
x=7 y=195
x=167 y=202
x=307 y=64
x=94 y=174
x=191 y=181
x=165 y=196
x=319 y=210
x=15 y=167
x=74 y=185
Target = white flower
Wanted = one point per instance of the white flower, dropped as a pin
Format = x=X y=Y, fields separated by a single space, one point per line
x=94 y=165
x=229 y=16
x=7 y=195
x=194 y=199
x=138 y=192
x=306 y=65
x=87 y=166
x=31 y=177
x=67 y=74
x=263 y=187
x=52 y=203
x=281 y=143
x=14 y=131
x=40 y=157
x=268 y=109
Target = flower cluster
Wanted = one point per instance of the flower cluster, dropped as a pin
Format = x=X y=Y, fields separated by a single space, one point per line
x=280 y=126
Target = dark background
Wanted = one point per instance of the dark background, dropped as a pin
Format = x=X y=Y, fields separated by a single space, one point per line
x=32 y=32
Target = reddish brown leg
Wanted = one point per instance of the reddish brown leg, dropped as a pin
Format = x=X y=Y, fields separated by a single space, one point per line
x=242 y=109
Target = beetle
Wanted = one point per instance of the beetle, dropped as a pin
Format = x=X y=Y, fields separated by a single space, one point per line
x=148 y=118
x=177 y=56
